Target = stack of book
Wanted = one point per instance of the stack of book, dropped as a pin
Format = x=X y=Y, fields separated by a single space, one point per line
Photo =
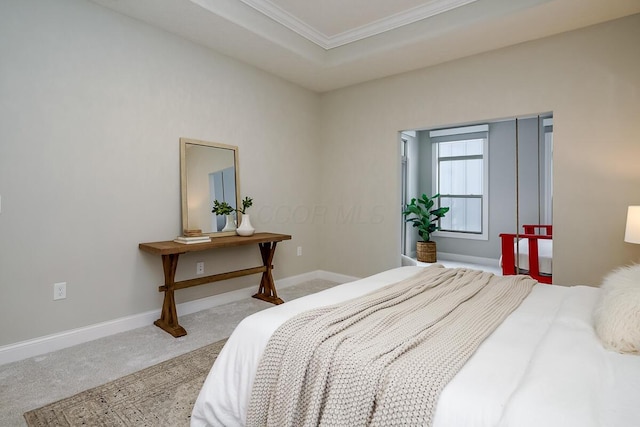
x=191 y=240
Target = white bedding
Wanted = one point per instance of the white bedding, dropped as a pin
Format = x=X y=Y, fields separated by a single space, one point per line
x=542 y=367
x=545 y=255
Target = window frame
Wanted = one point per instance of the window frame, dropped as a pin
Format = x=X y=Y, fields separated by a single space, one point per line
x=462 y=134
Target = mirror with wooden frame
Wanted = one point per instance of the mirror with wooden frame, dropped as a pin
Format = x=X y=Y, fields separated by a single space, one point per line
x=208 y=172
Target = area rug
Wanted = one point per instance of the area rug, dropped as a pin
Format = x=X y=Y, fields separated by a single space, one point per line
x=161 y=395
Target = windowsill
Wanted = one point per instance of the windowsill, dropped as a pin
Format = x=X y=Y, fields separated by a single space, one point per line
x=491 y=268
x=454 y=235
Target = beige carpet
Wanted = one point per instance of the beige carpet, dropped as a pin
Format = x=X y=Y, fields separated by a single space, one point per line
x=161 y=395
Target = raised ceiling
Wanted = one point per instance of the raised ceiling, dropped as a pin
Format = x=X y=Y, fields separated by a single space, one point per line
x=333 y=23
x=328 y=44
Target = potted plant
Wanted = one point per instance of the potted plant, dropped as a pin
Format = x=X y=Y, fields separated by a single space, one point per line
x=425 y=219
x=224 y=208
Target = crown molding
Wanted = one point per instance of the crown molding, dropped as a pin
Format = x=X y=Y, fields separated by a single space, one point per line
x=286 y=19
x=429 y=9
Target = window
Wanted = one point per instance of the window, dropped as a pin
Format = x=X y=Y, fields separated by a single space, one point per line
x=460 y=172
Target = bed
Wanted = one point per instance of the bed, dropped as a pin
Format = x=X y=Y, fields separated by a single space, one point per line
x=533 y=250
x=543 y=366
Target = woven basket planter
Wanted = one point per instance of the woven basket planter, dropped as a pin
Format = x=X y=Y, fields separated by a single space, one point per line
x=426 y=251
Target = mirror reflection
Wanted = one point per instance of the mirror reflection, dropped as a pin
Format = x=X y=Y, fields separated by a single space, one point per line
x=209 y=172
x=496 y=176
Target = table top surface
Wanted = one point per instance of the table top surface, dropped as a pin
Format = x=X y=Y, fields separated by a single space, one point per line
x=170 y=247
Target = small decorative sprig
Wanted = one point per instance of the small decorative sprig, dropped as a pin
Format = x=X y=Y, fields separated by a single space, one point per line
x=246 y=204
x=221 y=208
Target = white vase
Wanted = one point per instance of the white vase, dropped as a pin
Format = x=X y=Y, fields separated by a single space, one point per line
x=230 y=225
x=245 y=229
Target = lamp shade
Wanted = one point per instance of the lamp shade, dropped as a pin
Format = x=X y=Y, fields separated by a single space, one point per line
x=632 y=232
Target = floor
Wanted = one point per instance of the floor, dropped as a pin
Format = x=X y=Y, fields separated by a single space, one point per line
x=37 y=381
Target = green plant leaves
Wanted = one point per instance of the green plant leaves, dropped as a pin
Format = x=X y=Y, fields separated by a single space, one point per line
x=425 y=218
x=247 y=202
x=221 y=208
x=224 y=208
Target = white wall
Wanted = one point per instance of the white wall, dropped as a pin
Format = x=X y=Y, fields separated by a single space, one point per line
x=92 y=106
x=589 y=78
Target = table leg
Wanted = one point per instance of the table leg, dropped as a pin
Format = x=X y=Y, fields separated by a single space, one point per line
x=267 y=290
x=168 y=320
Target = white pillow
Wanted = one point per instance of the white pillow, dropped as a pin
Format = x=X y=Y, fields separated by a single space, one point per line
x=617 y=314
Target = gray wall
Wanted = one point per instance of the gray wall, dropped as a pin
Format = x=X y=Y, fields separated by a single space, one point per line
x=528 y=166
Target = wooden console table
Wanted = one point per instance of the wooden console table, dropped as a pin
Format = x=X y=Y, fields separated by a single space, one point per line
x=170 y=251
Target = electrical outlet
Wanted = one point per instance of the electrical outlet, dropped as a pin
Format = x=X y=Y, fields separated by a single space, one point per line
x=299 y=250
x=200 y=267
x=59 y=290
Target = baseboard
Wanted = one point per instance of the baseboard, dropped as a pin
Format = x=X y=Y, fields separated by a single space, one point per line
x=37 y=346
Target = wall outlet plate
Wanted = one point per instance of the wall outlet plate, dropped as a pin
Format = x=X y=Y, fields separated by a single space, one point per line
x=59 y=290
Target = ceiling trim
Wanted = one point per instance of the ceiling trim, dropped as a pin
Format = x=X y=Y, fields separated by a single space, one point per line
x=238 y=30
x=429 y=9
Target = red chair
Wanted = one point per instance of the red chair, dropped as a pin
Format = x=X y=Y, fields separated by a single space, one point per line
x=533 y=234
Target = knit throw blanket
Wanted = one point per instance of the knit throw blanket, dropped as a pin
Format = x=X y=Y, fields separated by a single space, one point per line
x=381 y=359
